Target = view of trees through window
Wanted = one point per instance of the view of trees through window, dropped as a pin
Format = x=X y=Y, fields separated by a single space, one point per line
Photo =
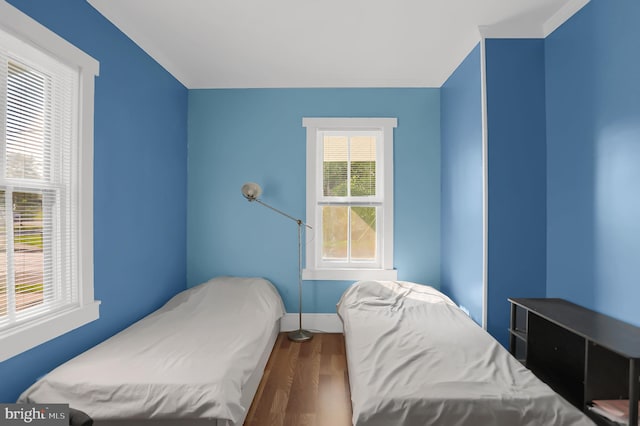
x=27 y=262
x=349 y=171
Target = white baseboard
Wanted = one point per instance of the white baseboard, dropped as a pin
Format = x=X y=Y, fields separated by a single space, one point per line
x=318 y=323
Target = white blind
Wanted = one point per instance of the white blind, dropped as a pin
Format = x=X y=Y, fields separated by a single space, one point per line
x=349 y=166
x=38 y=112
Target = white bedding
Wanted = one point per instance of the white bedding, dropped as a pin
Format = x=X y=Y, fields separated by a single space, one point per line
x=189 y=359
x=414 y=358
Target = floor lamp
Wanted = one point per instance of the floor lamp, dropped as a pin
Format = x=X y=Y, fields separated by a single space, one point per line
x=251 y=191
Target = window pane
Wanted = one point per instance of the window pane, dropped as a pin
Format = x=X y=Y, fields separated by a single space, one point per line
x=3 y=257
x=363 y=165
x=28 y=253
x=334 y=232
x=26 y=114
x=363 y=233
x=334 y=176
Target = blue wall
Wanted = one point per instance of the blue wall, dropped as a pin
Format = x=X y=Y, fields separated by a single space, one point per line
x=257 y=135
x=593 y=136
x=461 y=217
x=516 y=162
x=139 y=187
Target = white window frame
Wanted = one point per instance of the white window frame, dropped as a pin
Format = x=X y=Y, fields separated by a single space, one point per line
x=315 y=268
x=18 y=339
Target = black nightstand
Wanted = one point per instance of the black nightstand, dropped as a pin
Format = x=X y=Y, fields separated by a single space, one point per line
x=582 y=354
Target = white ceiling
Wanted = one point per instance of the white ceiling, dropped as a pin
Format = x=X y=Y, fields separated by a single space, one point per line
x=323 y=43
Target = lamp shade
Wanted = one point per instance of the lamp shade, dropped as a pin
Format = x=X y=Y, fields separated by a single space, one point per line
x=251 y=191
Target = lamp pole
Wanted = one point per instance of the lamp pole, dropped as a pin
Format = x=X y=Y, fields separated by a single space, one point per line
x=251 y=191
x=300 y=335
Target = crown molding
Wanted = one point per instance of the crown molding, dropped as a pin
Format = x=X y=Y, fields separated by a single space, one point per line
x=561 y=16
x=518 y=29
x=510 y=30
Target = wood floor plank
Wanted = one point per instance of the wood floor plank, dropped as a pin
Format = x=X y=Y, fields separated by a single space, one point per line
x=300 y=420
x=272 y=397
x=304 y=389
x=331 y=393
x=275 y=419
x=305 y=384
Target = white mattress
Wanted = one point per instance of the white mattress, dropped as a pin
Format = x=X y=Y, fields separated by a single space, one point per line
x=190 y=359
x=248 y=393
x=414 y=358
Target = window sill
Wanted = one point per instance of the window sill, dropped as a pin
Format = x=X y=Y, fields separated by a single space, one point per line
x=46 y=329
x=350 y=274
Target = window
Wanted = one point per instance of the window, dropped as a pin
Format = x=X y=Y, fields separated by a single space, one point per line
x=46 y=168
x=350 y=198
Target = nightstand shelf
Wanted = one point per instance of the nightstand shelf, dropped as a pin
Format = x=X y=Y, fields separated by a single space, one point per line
x=582 y=354
x=519 y=334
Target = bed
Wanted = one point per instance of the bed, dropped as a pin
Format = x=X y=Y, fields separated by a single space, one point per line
x=415 y=358
x=198 y=360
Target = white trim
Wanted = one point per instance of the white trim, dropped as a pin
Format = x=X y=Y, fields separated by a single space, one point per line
x=387 y=213
x=511 y=30
x=560 y=17
x=383 y=269
x=520 y=29
x=310 y=247
x=485 y=184
x=352 y=123
x=85 y=184
x=317 y=323
x=27 y=29
x=350 y=274
x=50 y=328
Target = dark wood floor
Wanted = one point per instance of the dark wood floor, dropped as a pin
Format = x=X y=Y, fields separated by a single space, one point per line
x=304 y=384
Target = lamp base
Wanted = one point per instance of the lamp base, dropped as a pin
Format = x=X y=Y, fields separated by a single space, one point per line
x=300 y=335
